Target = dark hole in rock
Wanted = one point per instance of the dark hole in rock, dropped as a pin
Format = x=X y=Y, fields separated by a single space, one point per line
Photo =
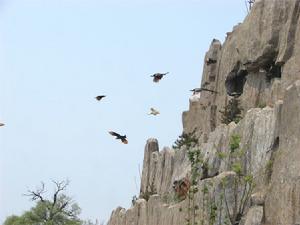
x=235 y=82
x=271 y=69
x=274 y=71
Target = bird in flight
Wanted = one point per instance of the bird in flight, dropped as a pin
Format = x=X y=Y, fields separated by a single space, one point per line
x=157 y=76
x=99 y=97
x=198 y=90
x=118 y=136
x=2 y=124
x=210 y=61
x=153 y=112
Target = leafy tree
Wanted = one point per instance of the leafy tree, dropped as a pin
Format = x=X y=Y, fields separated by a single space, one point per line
x=12 y=220
x=60 y=209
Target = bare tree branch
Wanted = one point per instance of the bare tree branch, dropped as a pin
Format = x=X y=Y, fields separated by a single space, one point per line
x=38 y=194
x=60 y=186
x=59 y=204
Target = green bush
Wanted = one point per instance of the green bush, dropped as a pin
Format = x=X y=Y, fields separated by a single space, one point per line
x=234 y=143
x=188 y=140
x=232 y=112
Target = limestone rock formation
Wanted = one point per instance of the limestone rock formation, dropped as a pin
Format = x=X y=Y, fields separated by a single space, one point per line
x=250 y=170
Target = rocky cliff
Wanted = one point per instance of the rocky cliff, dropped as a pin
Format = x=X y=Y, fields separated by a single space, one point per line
x=247 y=172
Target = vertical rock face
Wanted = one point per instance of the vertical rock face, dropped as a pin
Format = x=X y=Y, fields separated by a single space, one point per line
x=203 y=106
x=149 y=166
x=283 y=201
x=258 y=60
x=254 y=216
x=259 y=64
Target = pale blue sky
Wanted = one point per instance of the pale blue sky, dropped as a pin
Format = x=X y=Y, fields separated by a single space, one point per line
x=57 y=55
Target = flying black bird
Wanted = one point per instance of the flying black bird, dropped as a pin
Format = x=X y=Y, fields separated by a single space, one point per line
x=100 y=97
x=197 y=90
x=157 y=76
x=2 y=124
x=118 y=136
x=210 y=61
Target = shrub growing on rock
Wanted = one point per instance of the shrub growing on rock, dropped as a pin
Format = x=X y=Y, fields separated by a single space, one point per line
x=232 y=112
x=187 y=140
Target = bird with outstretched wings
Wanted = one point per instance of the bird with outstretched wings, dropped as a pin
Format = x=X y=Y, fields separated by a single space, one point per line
x=198 y=90
x=158 y=76
x=118 y=136
x=153 y=112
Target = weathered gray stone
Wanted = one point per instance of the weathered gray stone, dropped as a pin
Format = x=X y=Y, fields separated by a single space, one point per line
x=257 y=132
x=218 y=141
x=254 y=216
x=258 y=199
x=117 y=216
x=156 y=212
x=150 y=148
x=163 y=181
x=283 y=202
x=263 y=38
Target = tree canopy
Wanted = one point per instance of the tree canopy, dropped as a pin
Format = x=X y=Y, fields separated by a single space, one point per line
x=60 y=209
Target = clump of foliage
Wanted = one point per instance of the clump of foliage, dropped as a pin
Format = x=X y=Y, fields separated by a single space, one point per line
x=211 y=204
x=188 y=140
x=232 y=112
x=243 y=183
x=215 y=208
x=199 y=171
x=57 y=210
x=221 y=155
x=234 y=143
x=237 y=168
x=196 y=159
x=213 y=213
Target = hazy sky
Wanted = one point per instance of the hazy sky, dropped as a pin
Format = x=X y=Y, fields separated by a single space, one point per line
x=57 y=55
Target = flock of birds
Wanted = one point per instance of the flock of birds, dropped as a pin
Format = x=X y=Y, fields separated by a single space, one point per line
x=156 y=78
